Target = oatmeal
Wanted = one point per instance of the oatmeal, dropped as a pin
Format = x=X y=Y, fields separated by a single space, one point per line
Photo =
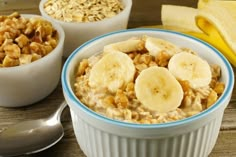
x=147 y=80
x=24 y=40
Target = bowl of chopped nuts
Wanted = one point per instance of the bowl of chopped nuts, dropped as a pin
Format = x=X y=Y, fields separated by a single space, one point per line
x=31 y=50
x=84 y=20
x=147 y=92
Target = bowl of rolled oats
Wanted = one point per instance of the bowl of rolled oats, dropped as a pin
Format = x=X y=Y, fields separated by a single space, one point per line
x=83 y=20
x=147 y=92
x=31 y=50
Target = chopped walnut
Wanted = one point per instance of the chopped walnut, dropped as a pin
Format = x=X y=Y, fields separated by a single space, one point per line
x=19 y=36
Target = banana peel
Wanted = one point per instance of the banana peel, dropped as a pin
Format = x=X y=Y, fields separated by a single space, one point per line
x=180 y=20
x=220 y=27
x=215 y=19
x=203 y=3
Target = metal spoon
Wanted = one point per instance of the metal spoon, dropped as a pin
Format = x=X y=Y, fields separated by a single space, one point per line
x=32 y=136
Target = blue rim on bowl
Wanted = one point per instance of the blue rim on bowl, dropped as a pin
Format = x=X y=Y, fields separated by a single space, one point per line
x=69 y=92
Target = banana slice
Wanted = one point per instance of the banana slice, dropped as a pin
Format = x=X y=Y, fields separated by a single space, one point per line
x=125 y=46
x=156 y=45
x=186 y=66
x=112 y=71
x=157 y=89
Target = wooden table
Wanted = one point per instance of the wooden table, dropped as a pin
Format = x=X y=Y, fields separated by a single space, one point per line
x=143 y=13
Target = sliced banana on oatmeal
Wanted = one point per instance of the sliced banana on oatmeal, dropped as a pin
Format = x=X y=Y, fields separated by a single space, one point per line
x=186 y=66
x=125 y=46
x=156 y=45
x=112 y=71
x=157 y=89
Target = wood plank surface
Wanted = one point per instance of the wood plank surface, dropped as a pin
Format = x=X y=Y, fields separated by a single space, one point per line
x=143 y=13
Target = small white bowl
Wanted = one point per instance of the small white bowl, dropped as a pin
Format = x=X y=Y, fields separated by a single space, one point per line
x=99 y=136
x=26 y=84
x=77 y=33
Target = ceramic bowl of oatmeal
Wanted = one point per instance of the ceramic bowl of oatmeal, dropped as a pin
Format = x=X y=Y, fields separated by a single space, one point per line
x=31 y=51
x=85 y=19
x=147 y=92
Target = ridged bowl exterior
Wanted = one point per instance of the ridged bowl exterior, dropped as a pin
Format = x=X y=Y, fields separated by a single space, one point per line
x=190 y=142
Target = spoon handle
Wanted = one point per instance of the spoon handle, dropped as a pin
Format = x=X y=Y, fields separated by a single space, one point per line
x=58 y=113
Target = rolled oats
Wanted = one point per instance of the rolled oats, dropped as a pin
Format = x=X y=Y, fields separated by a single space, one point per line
x=82 y=10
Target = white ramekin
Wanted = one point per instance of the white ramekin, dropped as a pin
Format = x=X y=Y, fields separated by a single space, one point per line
x=77 y=32
x=26 y=84
x=99 y=136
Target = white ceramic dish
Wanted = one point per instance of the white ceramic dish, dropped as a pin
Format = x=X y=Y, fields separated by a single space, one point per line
x=26 y=84
x=78 y=33
x=99 y=136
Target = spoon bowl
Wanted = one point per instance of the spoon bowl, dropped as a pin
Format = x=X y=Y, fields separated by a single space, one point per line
x=32 y=136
